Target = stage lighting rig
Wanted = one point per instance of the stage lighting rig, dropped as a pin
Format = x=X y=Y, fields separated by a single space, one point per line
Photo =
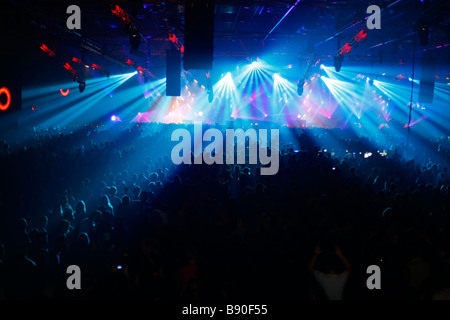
x=302 y=81
x=347 y=48
x=130 y=25
x=338 y=62
x=81 y=85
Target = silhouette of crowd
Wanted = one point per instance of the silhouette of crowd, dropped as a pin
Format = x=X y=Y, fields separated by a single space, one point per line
x=111 y=201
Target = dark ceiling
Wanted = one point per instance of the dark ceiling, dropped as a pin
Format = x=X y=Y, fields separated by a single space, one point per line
x=242 y=29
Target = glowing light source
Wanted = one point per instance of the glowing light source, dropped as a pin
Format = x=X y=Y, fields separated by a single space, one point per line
x=173 y=38
x=96 y=67
x=68 y=67
x=361 y=36
x=44 y=48
x=5 y=91
x=200 y=114
x=64 y=93
x=255 y=65
x=119 y=12
x=322 y=67
x=346 y=49
x=113 y=118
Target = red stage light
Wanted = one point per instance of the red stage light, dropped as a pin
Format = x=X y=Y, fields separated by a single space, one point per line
x=44 y=48
x=64 y=93
x=119 y=12
x=68 y=67
x=173 y=38
x=5 y=106
x=361 y=36
x=346 y=49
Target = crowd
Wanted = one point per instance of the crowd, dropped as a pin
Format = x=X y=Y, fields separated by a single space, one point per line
x=111 y=201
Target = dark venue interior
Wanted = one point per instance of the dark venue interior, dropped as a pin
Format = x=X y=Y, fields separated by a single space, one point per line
x=100 y=101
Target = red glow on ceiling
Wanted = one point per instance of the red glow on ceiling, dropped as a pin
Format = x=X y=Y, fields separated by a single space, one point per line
x=96 y=67
x=76 y=60
x=64 y=93
x=129 y=62
x=5 y=91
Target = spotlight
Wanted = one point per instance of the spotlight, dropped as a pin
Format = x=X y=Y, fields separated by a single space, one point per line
x=322 y=67
x=338 y=62
x=82 y=85
x=113 y=118
x=200 y=114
